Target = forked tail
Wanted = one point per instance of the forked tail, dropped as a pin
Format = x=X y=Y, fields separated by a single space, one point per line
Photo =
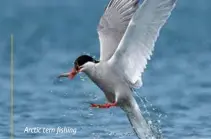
x=140 y=127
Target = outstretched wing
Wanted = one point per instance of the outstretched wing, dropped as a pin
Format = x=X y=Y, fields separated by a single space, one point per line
x=113 y=24
x=138 y=42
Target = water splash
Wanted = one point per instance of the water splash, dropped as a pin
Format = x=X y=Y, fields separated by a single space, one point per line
x=83 y=77
x=152 y=115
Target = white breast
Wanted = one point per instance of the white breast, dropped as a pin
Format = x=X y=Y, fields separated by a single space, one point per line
x=109 y=81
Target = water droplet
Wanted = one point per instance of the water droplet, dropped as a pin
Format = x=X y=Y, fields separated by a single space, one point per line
x=149 y=122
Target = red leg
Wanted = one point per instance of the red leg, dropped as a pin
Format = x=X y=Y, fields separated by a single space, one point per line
x=107 y=105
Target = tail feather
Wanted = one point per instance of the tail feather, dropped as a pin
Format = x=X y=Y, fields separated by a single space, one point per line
x=139 y=124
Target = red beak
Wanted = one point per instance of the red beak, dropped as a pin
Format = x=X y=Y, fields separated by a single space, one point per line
x=70 y=75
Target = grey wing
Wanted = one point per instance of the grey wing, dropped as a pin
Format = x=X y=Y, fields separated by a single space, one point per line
x=113 y=25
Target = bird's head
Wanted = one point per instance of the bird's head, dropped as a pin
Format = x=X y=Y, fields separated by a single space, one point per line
x=81 y=64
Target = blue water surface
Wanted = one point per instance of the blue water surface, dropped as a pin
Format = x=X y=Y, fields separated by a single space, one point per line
x=50 y=34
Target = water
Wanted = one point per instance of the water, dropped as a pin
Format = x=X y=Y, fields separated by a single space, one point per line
x=50 y=34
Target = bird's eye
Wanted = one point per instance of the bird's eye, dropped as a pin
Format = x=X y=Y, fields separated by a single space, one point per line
x=77 y=68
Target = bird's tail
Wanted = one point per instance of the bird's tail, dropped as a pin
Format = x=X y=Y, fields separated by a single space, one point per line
x=139 y=124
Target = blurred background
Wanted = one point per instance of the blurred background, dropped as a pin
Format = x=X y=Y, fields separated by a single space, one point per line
x=48 y=37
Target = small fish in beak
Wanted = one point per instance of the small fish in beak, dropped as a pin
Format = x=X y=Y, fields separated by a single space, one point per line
x=70 y=75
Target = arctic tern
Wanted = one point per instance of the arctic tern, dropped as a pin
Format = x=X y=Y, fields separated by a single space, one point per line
x=127 y=32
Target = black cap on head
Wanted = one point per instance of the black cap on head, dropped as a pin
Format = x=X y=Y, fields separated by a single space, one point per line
x=82 y=60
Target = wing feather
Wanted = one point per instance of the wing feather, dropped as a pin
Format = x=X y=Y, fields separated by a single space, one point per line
x=138 y=42
x=113 y=25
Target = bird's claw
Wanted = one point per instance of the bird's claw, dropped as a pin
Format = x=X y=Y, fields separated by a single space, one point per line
x=94 y=105
x=107 y=105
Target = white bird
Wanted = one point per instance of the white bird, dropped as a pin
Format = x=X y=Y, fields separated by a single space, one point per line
x=127 y=33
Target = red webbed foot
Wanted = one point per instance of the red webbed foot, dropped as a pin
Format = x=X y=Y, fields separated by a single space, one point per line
x=107 y=105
